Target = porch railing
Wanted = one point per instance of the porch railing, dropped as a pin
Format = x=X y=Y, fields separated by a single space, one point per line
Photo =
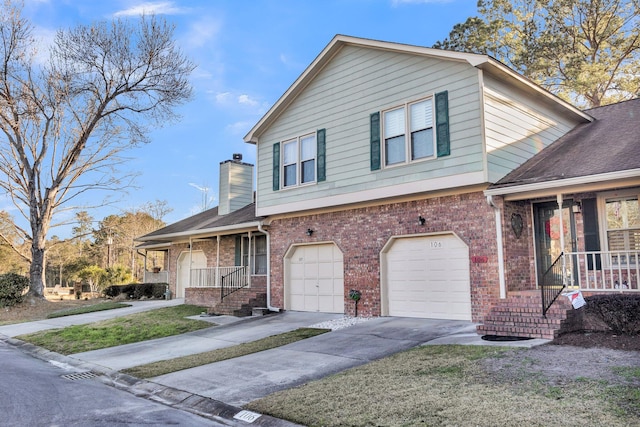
x=233 y=281
x=210 y=277
x=603 y=270
x=552 y=283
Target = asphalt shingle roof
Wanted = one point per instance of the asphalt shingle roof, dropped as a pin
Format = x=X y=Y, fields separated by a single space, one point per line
x=206 y=220
x=611 y=143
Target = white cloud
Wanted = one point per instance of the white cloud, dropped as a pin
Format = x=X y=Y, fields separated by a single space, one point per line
x=152 y=8
x=202 y=32
x=223 y=98
x=246 y=100
x=239 y=128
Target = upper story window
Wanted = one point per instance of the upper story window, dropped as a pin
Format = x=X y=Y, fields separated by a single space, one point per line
x=299 y=160
x=408 y=133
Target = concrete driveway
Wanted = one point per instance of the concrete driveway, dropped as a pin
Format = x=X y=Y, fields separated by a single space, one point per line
x=241 y=380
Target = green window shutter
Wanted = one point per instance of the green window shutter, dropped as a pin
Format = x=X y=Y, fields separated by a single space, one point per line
x=321 y=153
x=238 y=254
x=276 y=166
x=591 y=231
x=374 y=136
x=442 y=123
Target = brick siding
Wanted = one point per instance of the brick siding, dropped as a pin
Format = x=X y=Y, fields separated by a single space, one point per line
x=362 y=233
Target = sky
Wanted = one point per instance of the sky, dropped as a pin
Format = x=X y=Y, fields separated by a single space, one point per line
x=248 y=53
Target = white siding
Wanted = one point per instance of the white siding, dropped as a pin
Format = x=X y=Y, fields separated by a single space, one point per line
x=517 y=127
x=355 y=83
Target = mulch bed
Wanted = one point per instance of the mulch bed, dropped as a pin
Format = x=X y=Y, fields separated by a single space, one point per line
x=599 y=340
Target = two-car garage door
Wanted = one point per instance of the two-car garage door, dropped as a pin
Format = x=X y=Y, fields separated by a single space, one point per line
x=427 y=276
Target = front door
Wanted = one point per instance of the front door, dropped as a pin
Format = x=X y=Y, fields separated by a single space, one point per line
x=547 y=234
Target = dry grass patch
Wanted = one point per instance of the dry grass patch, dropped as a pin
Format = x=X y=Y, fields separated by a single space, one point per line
x=159 y=323
x=446 y=385
x=167 y=366
x=39 y=309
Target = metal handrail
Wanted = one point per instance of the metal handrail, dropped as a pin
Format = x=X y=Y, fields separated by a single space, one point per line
x=552 y=284
x=232 y=282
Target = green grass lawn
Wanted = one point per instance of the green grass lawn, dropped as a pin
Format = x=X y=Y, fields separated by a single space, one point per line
x=137 y=327
x=172 y=365
x=446 y=385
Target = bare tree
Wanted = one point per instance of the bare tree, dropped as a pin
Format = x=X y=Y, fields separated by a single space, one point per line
x=64 y=125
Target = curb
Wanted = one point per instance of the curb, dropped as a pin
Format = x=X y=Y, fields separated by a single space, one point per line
x=179 y=399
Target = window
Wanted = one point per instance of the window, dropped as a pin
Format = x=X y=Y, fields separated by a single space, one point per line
x=258 y=253
x=622 y=227
x=299 y=161
x=418 y=142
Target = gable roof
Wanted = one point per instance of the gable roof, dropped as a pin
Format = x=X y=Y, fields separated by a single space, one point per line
x=606 y=149
x=484 y=62
x=205 y=224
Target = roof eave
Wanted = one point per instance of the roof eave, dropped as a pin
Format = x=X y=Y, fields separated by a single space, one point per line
x=202 y=232
x=522 y=191
x=325 y=56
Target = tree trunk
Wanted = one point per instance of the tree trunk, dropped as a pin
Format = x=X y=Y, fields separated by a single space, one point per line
x=37 y=270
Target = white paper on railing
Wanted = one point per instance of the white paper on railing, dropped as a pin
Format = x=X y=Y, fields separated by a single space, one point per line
x=576 y=299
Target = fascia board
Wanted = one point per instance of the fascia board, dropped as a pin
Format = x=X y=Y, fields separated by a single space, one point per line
x=589 y=180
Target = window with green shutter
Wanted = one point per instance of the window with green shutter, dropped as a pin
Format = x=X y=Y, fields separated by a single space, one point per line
x=407 y=133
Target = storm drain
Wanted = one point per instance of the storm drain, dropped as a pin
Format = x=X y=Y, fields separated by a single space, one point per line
x=79 y=376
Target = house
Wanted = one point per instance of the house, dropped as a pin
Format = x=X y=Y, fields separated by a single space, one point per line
x=216 y=258
x=428 y=181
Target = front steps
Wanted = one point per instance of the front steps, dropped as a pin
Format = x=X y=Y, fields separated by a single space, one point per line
x=240 y=303
x=520 y=315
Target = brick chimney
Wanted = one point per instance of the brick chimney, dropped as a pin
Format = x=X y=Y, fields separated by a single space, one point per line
x=236 y=185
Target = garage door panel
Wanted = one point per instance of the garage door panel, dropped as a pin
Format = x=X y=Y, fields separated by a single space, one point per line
x=428 y=276
x=320 y=270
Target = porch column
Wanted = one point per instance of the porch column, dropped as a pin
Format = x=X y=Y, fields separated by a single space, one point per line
x=217 y=277
x=190 y=261
x=561 y=228
x=249 y=262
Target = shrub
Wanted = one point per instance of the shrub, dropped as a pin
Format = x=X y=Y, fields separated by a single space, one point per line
x=12 y=287
x=137 y=290
x=620 y=312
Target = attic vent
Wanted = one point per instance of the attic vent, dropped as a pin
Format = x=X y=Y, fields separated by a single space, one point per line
x=237 y=157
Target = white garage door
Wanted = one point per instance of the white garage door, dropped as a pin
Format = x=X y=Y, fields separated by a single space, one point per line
x=428 y=276
x=315 y=280
x=198 y=260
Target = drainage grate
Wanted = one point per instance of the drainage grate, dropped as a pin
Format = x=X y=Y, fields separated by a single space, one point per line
x=79 y=376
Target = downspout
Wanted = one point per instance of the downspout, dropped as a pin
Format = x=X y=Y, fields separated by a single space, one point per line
x=496 y=209
x=217 y=276
x=262 y=230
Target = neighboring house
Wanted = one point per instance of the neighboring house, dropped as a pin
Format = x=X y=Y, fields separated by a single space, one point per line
x=421 y=178
x=217 y=258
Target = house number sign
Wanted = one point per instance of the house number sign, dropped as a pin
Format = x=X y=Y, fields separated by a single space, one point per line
x=436 y=244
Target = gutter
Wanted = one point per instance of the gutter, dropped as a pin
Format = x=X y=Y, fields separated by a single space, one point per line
x=496 y=209
x=262 y=230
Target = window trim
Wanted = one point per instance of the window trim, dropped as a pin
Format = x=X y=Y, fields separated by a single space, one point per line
x=408 y=154
x=299 y=161
x=250 y=244
x=603 y=198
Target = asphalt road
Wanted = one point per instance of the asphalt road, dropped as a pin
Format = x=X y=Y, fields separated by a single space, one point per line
x=36 y=393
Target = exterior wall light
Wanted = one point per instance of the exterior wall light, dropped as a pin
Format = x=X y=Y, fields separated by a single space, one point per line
x=309 y=232
x=421 y=220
